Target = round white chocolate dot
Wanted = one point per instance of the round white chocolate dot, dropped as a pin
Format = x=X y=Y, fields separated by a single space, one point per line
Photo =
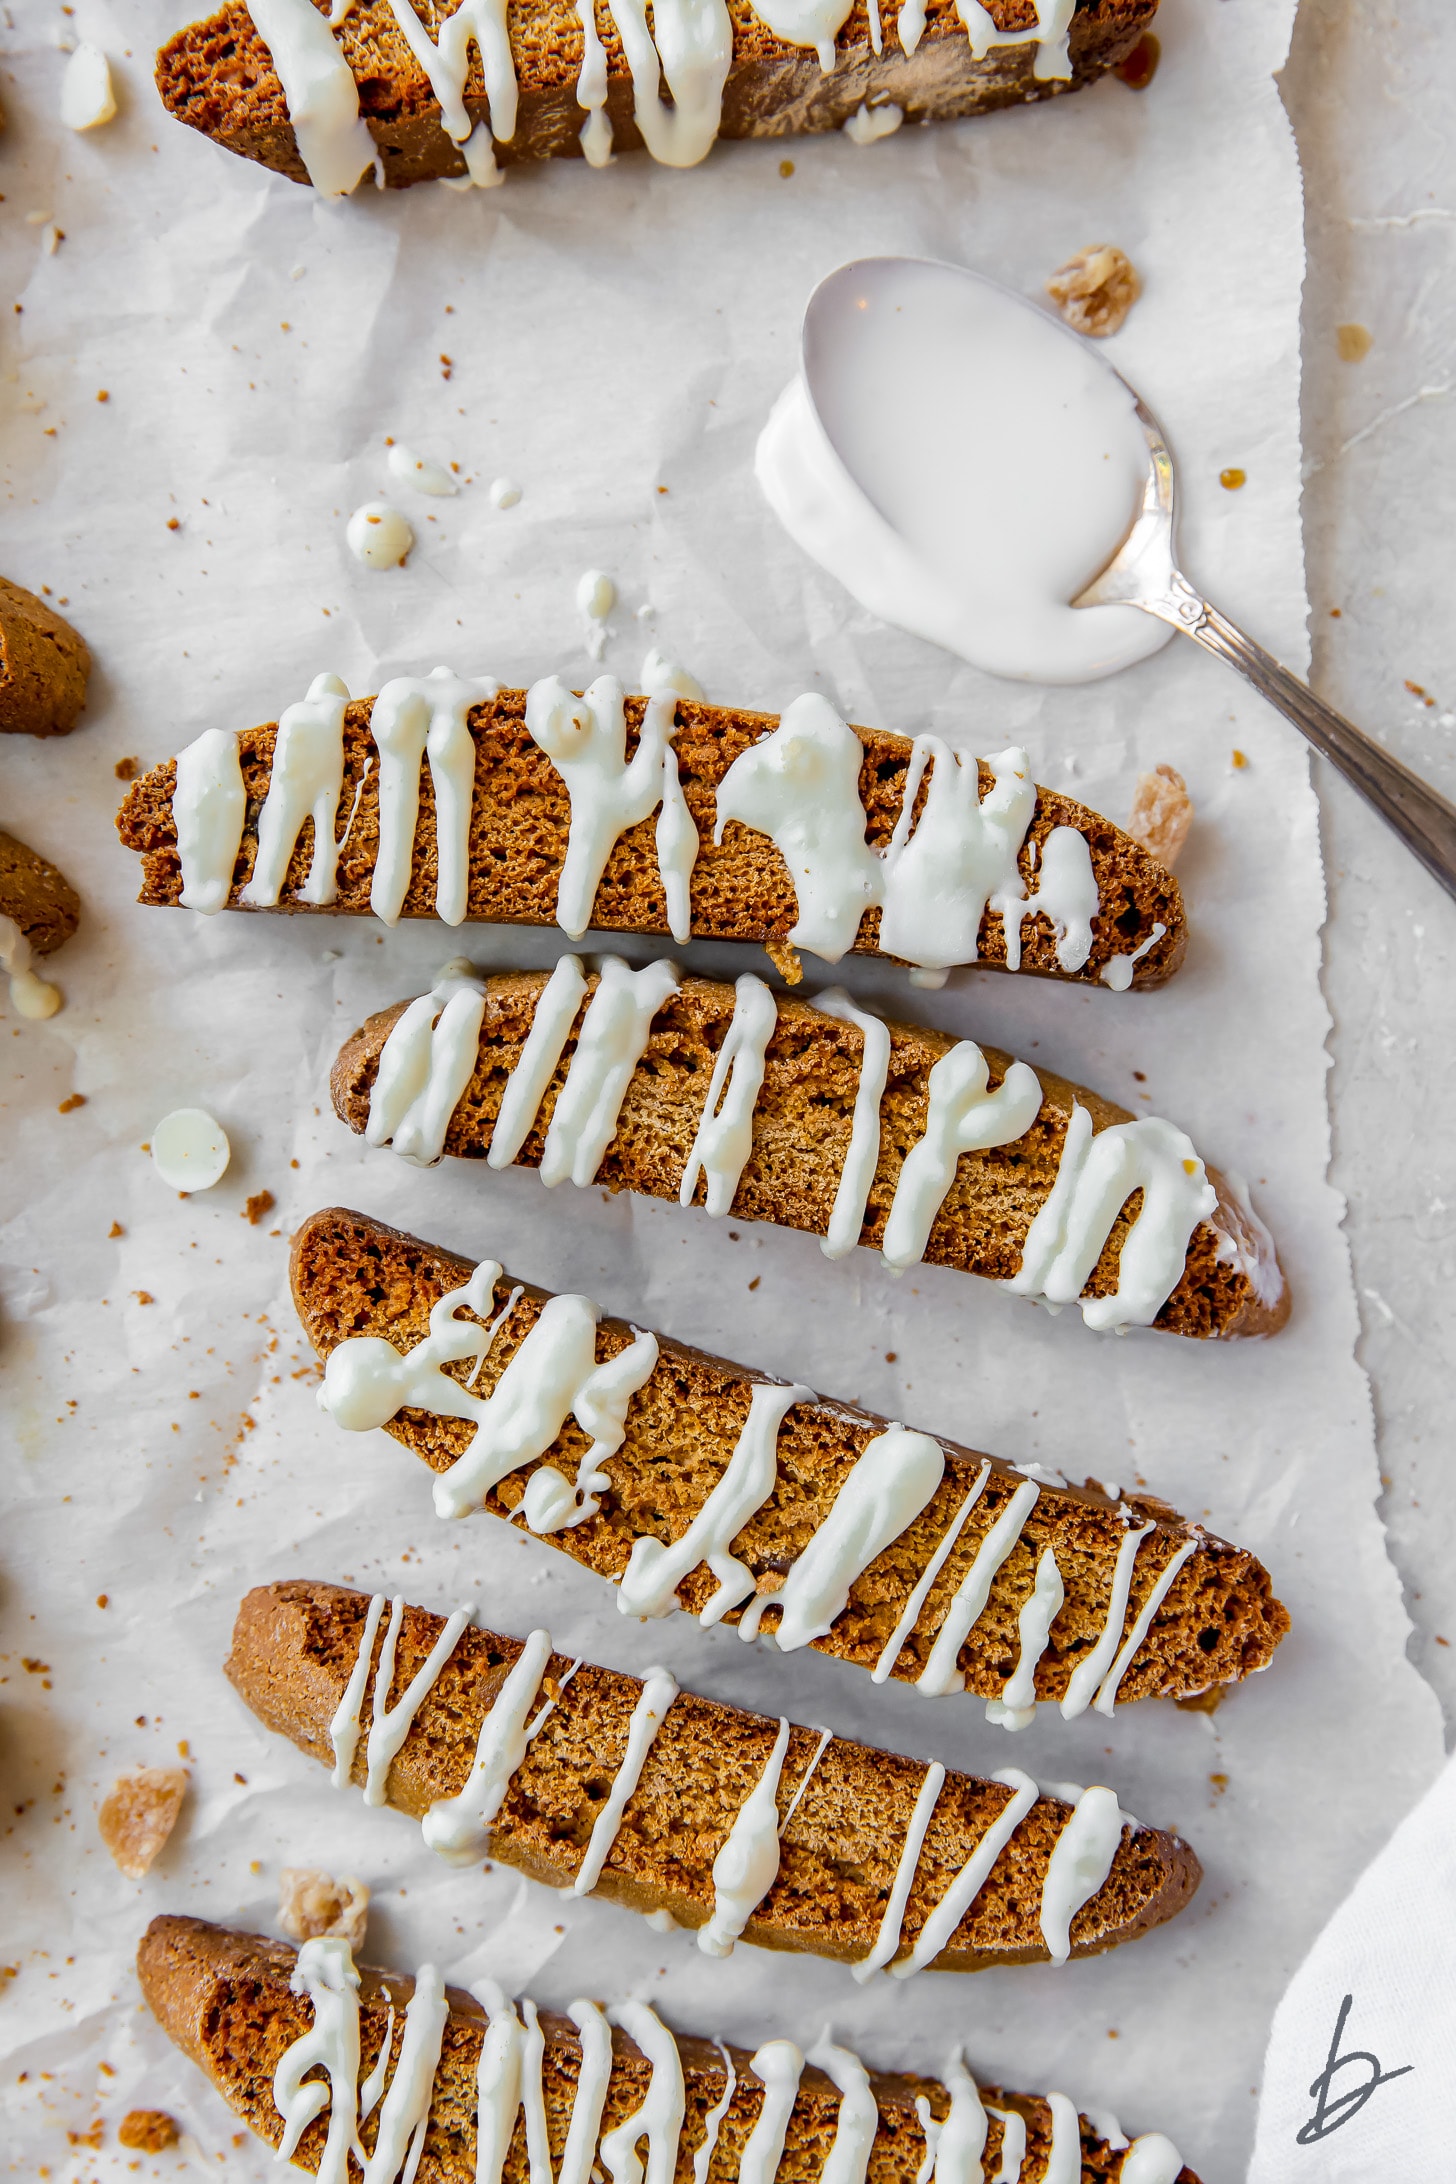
x=190 y=1150
x=596 y=595
x=504 y=493
x=378 y=535
x=425 y=476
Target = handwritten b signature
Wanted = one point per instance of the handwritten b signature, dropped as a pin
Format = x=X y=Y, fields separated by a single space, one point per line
x=1331 y=2109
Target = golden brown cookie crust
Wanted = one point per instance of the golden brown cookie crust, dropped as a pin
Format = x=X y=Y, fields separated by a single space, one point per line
x=43 y=666
x=37 y=895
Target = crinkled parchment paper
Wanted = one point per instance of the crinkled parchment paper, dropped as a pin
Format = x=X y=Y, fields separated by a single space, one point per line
x=614 y=342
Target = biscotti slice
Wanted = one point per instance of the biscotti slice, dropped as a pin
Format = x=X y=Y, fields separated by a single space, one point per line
x=395 y=91
x=695 y=1484
x=729 y=1823
x=453 y=799
x=822 y=1117
x=464 y=2091
x=43 y=666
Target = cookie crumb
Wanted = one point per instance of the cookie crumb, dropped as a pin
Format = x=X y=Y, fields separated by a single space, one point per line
x=69 y=1106
x=137 y=1815
x=254 y=1208
x=1232 y=479
x=1138 y=68
x=311 y=1904
x=125 y=769
x=115 y=1230
x=1162 y=813
x=1353 y=343
x=1095 y=290
x=149 y=2130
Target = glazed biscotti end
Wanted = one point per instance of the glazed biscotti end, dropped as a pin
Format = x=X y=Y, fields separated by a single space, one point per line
x=43 y=666
x=37 y=895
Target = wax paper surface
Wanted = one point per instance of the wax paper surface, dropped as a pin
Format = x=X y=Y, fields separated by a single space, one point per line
x=208 y=345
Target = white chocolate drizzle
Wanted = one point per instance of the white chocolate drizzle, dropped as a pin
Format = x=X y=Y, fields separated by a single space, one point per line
x=1106 y=1698
x=1049 y=35
x=887 y=1941
x=690 y=45
x=940 y=1674
x=497 y=2082
x=659 y=2119
x=961 y=857
x=659 y=1689
x=944 y=1921
x=724 y=1138
x=209 y=808
x=953 y=2149
x=320 y=93
x=779 y=2066
x=747 y=1865
x=424 y=1067
x=405 y=2116
x=325 y=1976
x=1064 y=2155
x=585 y=739
x=30 y=995
x=713 y=2121
x=551 y=1023
x=847 y=1214
x=854 y=2126
x=1117 y=971
x=894 y=1644
x=1013 y=2145
x=1080 y=1862
x=1087 y=1676
x=1016 y=1707
x=655 y=1570
x=1096 y=1176
x=1151 y=2159
x=895 y=1475
x=391 y=1724
x=458 y=1828
x=1066 y=893
x=415 y=718
x=612 y=1041
x=306 y=782
x=962 y=1116
x=447 y=65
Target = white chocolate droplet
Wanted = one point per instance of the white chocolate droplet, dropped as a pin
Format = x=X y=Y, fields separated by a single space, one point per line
x=87 y=98
x=867 y=124
x=425 y=476
x=504 y=493
x=596 y=595
x=379 y=535
x=190 y=1150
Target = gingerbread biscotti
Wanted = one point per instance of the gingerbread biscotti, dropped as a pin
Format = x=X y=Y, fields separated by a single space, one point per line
x=320 y=2057
x=395 y=91
x=454 y=799
x=726 y=1822
x=43 y=666
x=39 y=911
x=692 y=1483
x=822 y=1117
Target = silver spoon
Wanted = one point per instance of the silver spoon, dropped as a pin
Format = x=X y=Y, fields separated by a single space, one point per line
x=1144 y=573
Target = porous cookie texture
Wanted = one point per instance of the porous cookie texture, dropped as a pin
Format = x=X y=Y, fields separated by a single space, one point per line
x=295 y=1645
x=37 y=895
x=741 y=889
x=1218 y=1623
x=43 y=666
x=225 y=1999
x=217 y=76
x=802 y=1126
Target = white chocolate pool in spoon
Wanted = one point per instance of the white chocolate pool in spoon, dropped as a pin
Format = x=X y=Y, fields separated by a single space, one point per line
x=964 y=465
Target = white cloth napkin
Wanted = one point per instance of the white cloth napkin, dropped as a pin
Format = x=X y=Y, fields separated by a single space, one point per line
x=1360 y=2076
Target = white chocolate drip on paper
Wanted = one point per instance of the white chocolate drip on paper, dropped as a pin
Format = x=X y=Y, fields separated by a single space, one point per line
x=962 y=1116
x=887 y=1941
x=1096 y=1176
x=656 y=1569
x=320 y=93
x=747 y=1865
x=412 y=719
x=1066 y=893
x=659 y=1689
x=940 y=1674
x=209 y=808
x=585 y=739
x=1080 y=1862
x=724 y=1139
x=854 y=2126
x=30 y=995
x=306 y=781
x=961 y=857
x=894 y=1477
x=847 y=1214
x=1016 y=1707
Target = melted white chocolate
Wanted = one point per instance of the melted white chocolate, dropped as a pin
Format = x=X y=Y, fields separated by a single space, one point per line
x=1080 y=1862
x=944 y=1921
x=659 y=2119
x=961 y=856
x=953 y=2149
x=847 y=1215
x=962 y=1116
x=1087 y=1676
x=659 y=1689
x=424 y=1067
x=458 y=1828
x=887 y=1941
x=324 y=1974
x=1016 y=1707
x=412 y=719
x=305 y=783
x=1151 y=2159
x=747 y=1865
x=940 y=1674
x=778 y=2065
x=320 y=93
x=854 y=2126
x=724 y=1138
x=209 y=808
x=611 y=1042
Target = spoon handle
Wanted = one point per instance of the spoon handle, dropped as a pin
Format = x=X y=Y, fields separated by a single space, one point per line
x=1422 y=818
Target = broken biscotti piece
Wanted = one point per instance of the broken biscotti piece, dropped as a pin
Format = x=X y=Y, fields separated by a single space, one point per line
x=726 y=1822
x=311 y=1904
x=695 y=1484
x=400 y=96
x=461 y=2091
x=822 y=1117
x=138 y=1814
x=39 y=909
x=43 y=666
x=458 y=800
